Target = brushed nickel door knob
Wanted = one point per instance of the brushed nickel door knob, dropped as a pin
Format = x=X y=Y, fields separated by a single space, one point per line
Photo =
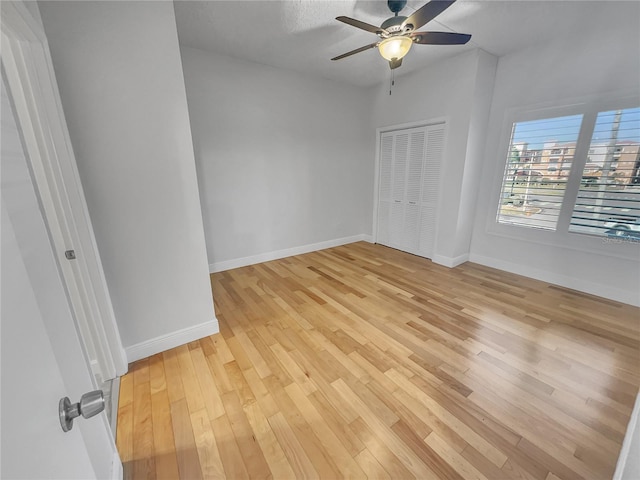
x=91 y=404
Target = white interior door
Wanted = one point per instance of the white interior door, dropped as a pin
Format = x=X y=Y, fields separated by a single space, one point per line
x=42 y=358
x=31 y=80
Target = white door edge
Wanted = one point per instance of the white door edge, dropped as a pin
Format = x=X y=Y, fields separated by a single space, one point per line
x=31 y=78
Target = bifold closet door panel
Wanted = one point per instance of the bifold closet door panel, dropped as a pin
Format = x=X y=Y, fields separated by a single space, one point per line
x=408 y=188
x=430 y=190
x=384 y=188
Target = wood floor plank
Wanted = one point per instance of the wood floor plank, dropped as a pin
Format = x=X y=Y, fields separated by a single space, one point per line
x=453 y=458
x=322 y=462
x=266 y=438
x=206 y=445
x=157 y=379
x=195 y=400
x=378 y=448
x=344 y=461
x=173 y=375
x=143 y=446
x=210 y=394
x=140 y=372
x=126 y=390
x=124 y=436
x=338 y=425
x=370 y=466
x=186 y=450
x=252 y=454
x=298 y=459
x=400 y=449
x=361 y=361
x=166 y=461
x=230 y=454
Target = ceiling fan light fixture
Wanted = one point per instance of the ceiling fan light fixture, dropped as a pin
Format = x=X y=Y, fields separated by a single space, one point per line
x=395 y=47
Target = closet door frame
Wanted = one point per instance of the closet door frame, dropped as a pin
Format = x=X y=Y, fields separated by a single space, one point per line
x=376 y=186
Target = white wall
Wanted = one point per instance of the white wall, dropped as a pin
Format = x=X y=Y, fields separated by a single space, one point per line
x=285 y=161
x=478 y=121
x=590 y=66
x=120 y=77
x=458 y=90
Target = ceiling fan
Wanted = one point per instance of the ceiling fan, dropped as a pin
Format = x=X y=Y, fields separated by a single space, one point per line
x=398 y=33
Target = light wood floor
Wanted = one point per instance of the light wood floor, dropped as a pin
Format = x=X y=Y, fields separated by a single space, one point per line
x=362 y=361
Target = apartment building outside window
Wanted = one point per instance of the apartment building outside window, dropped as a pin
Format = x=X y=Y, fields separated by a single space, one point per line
x=540 y=165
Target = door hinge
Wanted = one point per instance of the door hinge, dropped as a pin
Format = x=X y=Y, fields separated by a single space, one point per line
x=70 y=254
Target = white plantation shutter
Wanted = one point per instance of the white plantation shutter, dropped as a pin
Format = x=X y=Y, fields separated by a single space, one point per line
x=408 y=190
x=604 y=199
x=608 y=202
x=537 y=169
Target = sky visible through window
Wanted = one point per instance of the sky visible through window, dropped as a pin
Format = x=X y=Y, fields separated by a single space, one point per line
x=565 y=129
x=538 y=132
x=629 y=126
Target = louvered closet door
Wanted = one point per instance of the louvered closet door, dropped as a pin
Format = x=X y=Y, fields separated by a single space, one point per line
x=413 y=182
x=396 y=224
x=384 y=188
x=430 y=189
x=408 y=188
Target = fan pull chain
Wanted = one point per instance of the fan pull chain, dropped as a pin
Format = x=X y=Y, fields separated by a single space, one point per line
x=392 y=81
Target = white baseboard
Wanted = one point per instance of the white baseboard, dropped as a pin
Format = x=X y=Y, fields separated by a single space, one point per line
x=450 y=261
x=622 y=469
x=566 y=281
x=171 y=340
x=287 y=252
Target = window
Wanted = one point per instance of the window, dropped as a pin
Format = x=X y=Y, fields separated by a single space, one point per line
x=602 y=198
x=608 y=201
x=534 y=181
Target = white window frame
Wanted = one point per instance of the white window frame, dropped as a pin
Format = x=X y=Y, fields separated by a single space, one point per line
x=589 y=107
x=556 y=162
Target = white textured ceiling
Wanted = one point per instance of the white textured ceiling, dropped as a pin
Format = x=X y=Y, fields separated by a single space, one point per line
x=303 y=35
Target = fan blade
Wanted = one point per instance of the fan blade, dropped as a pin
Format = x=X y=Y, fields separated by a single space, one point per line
x=427 y=12
x=440 y=38
x=357 y=50
x=362 y=25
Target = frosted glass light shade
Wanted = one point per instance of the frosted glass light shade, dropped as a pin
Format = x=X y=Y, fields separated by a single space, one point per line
x=395 y=47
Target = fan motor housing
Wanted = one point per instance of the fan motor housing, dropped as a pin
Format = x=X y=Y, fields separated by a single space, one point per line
x=393 y=24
